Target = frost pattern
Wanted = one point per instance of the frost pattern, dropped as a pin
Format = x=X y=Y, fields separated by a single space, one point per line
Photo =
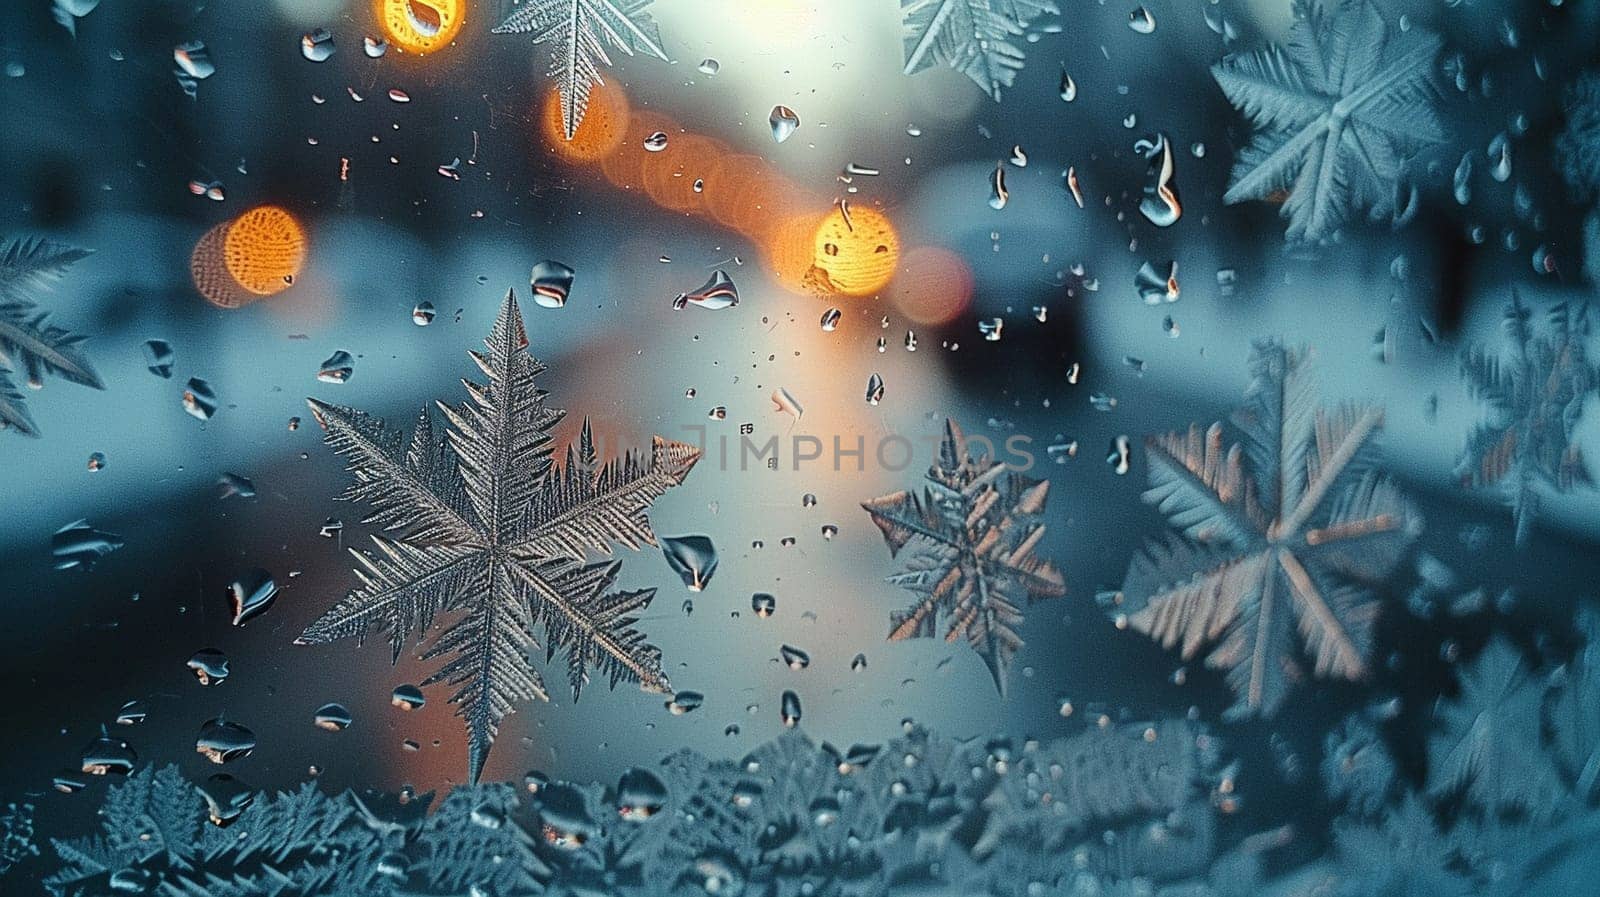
x=971 y=36
x=1339 y=112
x=28 y=342
x=1282 y=538
x=579 y=31
x=973 y=531
x=791 y=818
x=1535 y=394
x=490 y=528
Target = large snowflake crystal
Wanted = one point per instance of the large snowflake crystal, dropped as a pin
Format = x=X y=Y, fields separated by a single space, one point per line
x=1535 y=393
x=579 y=32
x=1282 y=538
x=28 y=342
x=973 y=531
x=1339 y=112
x=490 y=529
x=974 y=37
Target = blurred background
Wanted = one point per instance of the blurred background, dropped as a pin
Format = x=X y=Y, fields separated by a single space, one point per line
x=453 y=195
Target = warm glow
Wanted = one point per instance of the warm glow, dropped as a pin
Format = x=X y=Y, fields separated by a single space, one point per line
x=600 y=133
x=858 y=256
x=420 y=26
x=210 y=273
x=263 y=250
x=934 y=286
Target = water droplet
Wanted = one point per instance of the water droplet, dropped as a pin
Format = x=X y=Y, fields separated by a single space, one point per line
x=794 y=658
x=199 y=400
x=693 y=558
x=317 y=45
x=1018 y=157
x=640 y=795
x=333 y=718
x=763 y=604
x=1142 y=21
x=998 y=194
x=789 y=711
x=337 y=368
x=874 y=389
x=407 y=697
x=718 y=292
x=97 y=461
x=423 y=314
x=709 y=66
x=1155 y=287
x=374 y=47
x=1160 y=204
x=1069 y=87
x=158 y=358
x=78 y=546
x=718 y=412
x=226 y=799
x=911 y=341
x=685 y=702
x=1500 y=158
x=784 y=122
x=991 y=329
x=193 y=60
x=656 y=142
x=784 y=402
x=1118 y=456
x=551 y=282
x=222 y=741
x=209 y=665
x=108 y=756
x=233 y=485
x=858 y=663
x=133 y=713
x=251 y=594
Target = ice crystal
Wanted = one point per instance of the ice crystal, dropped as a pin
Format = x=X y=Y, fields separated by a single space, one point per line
x=1578 y=144
x=1282 y=538
x=1339 y=112
x=974 y=37
x=490 y=528
x=973 y=532
x=28 y=342
x=1488 y=746
x=579 y=31
x=1535 y=394
x=791 y=818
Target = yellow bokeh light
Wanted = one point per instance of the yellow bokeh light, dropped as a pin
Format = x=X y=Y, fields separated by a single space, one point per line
x=264 y=249
x=858 y=256
x=420 y=26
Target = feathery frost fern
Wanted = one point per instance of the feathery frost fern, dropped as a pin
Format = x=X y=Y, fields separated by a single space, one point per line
x=1339 y=111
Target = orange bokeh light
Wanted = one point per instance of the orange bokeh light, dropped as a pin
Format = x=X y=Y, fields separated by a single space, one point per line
x=263 y=250
x=858 y=256
x=420 y=26
x=934 y=286
x=601 y=132
x=210 y=273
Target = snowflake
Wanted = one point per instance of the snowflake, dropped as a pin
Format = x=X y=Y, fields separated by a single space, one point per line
x=580 y=30
x=491 y=528
x=1285 y=552
x=27 y=341
x=1488 y=746
x=1339 y=112
x=971 y=36
x=1535 y=395
x=1578 y=144
x=974 y=530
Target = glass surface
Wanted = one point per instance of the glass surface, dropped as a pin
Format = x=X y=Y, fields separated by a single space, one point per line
x=1016 y=447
